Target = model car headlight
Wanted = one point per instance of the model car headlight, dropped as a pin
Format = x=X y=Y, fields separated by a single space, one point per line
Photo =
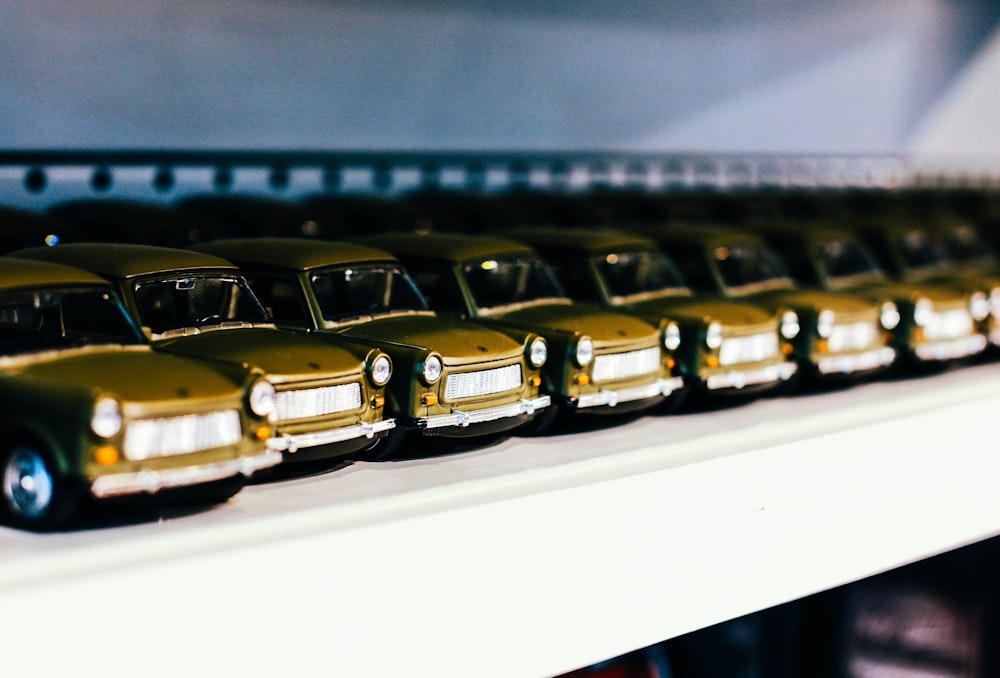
x=584 y=351
x=432 y=369
x=262 y=398
x=824 y=324
x=538 y=352
x=979 y=306
x=923 y=310
x=790 y=324
x=107 y=418
x=671 y=337
x=381 y=370
x=713 y=336
x=889 y=317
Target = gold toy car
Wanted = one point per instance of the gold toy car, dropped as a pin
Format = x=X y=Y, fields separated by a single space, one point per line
x=938 y=321
x=598 y=360
x=833 y=333
x=721 y=346
x=90 y=410
x=324 y=397
x=452 y=377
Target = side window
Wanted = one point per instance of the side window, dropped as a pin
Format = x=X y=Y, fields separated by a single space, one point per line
x=282 y=299
x=440 y=289
x=690 y=260
x=574 y=276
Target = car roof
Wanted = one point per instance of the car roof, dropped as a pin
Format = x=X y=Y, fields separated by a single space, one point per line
x=802 y=231
x=292 y=253
x=701 y=234
x=448 y=247
x=585 y=240
x=125 y=261
x=17 y=274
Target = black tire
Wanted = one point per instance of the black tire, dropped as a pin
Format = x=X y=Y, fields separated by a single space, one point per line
x=33 y=495
x=383 y=448
x=541 y=423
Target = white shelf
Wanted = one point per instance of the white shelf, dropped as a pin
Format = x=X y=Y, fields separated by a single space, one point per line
x=528 y=558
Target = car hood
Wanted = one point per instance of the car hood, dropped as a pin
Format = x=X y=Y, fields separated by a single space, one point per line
x=456 y=340
x=839 y=303
x=284 y=356
x=597 y=323
x=141 y=376
x=730 y=313
x=899 y=291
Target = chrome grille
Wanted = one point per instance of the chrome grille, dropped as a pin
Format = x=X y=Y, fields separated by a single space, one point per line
x=853 y=336
x=949 y=325
x=150 y=438
x=612 y=366
x=750 y=349
x=482 y=382
x=316 y=402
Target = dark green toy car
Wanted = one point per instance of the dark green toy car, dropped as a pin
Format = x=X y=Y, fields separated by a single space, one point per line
x=452 y=377
x=90 y=410
x=598 y=360
x=938 y=321
x=722 y=346
x=324 y=397
x=834 y=333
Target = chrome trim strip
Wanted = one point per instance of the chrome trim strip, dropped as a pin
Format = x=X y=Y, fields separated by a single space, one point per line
x=737 y=379
x=610 y=398
x=856 y=362
x=118 y=484
x=951 y=350
x=463 y=419
x=290 y=443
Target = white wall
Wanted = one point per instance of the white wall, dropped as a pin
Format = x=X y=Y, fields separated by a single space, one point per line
x=832 y=77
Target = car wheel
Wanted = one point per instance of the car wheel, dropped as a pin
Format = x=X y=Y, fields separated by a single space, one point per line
x=34 y=495
x=383 y=448
x=541 y=422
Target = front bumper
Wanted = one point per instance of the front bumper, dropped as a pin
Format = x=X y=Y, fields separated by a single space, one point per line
x=856 y=362
x=119 y=484
x=610 y=397
x=290 y=443
x=740 y=378
x=463 y=419
x=951 y=349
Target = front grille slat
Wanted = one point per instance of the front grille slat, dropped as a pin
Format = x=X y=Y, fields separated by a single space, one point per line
x=150 y=438
x=750 y=349
x=611 y=366
x=306 y=403
x=482 y=382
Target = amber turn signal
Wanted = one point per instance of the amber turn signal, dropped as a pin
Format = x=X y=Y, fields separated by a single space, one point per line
x=535 y=381
x=429 y=399
x=262 y=433
x=378 y=401
x=582 y=379
x=107 y=455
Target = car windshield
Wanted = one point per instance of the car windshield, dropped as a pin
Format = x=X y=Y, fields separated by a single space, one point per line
x=963 y=245
x=31 y=322
x=921 y=251
x=632 y=276
x=751 y=267
x=354 y=291
x=846 y=258
x=179 y=304
x=502 y=282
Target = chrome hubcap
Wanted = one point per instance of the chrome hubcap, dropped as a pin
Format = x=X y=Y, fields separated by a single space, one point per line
x=27 y=483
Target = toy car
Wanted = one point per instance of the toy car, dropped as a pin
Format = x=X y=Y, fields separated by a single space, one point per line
x=721 y=346
x=938 y=252
x=328 y=395
x=90 y=410
x=453 y=377
x=937 y=321
x=835 y=333
x=599 y=361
